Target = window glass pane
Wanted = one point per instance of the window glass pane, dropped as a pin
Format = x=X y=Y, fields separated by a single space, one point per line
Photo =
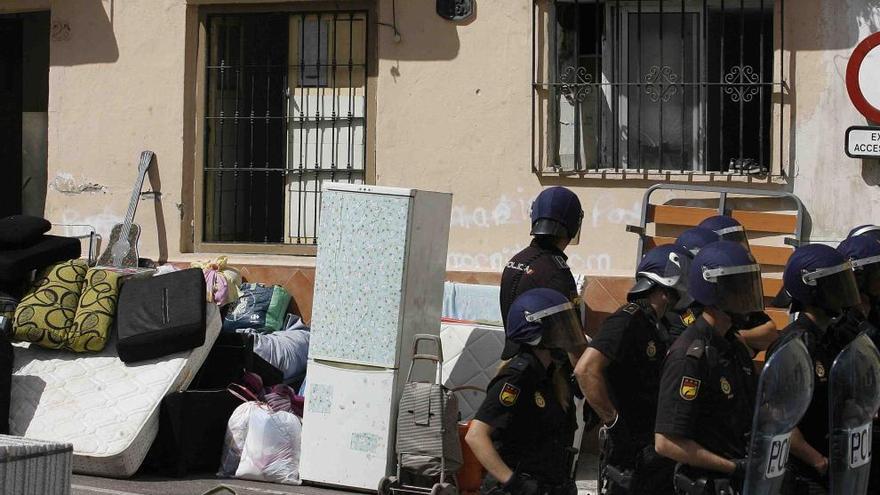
x=244 y=198
x=661 y=85
x=285 y=111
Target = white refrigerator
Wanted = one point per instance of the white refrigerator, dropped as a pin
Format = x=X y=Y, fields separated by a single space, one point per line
x=379 y=280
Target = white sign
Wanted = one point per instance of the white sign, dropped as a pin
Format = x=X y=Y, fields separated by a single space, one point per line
x=777 y=456
x=863 y=142
x=859 y=446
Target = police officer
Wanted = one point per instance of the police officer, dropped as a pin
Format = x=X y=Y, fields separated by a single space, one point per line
x=620 y=375
x=691 y=240
x=706 y=399
x=556 y=223
x=757 y=329
x=523 y=432
x=863 y=252
x=822 y=286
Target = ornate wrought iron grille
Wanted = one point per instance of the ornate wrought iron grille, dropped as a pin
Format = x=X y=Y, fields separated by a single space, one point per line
x=285 y=111
x=689 y=86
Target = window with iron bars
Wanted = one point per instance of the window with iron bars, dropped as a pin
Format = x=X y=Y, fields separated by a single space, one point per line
x=285 y=111
x=688 y=86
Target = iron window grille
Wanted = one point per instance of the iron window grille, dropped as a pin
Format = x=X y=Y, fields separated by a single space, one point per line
x=286 y=106
x=684 y=86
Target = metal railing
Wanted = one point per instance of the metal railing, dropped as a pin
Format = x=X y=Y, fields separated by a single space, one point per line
x=682 y=86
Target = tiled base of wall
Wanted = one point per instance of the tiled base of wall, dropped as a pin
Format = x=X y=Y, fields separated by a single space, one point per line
x=603 y=294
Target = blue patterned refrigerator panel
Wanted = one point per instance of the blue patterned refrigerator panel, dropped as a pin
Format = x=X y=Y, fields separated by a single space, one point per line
x=359 y=278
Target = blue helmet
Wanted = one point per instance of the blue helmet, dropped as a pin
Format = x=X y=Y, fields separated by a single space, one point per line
x=819 y=275
x=863 y=252
x=666 y=266
x=693 y=239
x=557 y=212
x=727 y=228
x=544 y=317
x=725 y=275
x=865 y=230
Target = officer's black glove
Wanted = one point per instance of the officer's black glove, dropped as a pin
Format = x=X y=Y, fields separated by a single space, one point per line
x=739 y=471
x=521 y=484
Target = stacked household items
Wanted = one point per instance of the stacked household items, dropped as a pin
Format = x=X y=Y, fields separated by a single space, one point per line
x=262 y=348
x=78 y=382
x=24 y=247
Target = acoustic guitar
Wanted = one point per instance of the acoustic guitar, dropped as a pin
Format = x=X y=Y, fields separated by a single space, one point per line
x=122 y=249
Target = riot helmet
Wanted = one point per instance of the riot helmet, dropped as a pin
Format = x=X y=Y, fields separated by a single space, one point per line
x=664 y=266
x=727 y=228
x=818 y=275
x=545 y=318
x=693 y=239
x=863 y=252
x=872 y=231
x=557 y=212
x=725 y=275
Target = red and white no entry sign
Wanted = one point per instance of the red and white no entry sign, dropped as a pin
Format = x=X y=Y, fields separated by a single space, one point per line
x=863 y=67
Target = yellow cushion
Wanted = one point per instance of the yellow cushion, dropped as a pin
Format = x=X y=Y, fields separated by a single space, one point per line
x=45 y=314
x=95 y=312
x=69 y=307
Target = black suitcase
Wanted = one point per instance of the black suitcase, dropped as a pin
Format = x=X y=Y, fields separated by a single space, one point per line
x=231 y=355
x=161 y=315
x=192 y=427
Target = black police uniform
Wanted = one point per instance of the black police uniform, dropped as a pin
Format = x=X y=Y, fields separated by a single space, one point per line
x=678 y=321
x=541 y=265
x=707 y=393
x=635 y=343
x=532 y=432
x=823 y=348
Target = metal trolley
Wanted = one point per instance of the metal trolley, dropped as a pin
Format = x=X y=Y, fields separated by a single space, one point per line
x=427 y=444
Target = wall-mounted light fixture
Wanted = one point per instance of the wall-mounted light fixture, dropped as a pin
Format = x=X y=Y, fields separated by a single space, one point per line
x=455 y=10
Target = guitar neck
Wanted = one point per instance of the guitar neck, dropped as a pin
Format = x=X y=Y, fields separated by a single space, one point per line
x=135 y=196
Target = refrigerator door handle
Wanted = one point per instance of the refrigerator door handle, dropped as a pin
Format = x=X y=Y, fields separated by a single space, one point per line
x=436 y=358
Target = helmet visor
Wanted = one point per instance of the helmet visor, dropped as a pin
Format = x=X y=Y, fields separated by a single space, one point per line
x=739 y=288
x=836 y=286
x=560 y=327
x=736 y=234
x=867 y=272
x=872 y=231
x=577 y=236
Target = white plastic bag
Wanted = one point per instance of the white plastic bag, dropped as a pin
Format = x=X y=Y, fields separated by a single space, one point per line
x=233 y=443
x=272 y=447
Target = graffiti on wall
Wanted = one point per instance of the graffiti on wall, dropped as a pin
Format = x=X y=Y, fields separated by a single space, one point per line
x=604 y=211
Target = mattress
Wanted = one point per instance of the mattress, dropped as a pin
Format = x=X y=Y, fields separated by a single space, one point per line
x=108 y=410
x=471 y=356
x=471 y=302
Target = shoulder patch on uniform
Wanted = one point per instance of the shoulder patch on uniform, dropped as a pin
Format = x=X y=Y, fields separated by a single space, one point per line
x=689 y=389
x=688 y=317
x=696 y=349
x=631 y=308
x=560 y=262
x=508 y=395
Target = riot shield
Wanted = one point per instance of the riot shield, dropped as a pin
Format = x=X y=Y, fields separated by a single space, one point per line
x=853 y=396
x=784 y=393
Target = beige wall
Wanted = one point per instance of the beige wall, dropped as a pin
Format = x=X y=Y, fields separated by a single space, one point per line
x=454 y=106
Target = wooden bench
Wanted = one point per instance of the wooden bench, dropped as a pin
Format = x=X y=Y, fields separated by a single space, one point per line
x=771 y=255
